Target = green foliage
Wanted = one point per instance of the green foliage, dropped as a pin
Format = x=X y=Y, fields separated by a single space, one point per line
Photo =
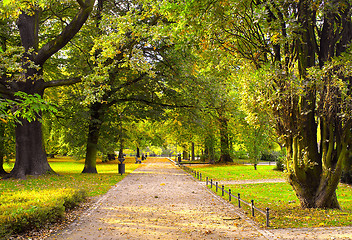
x=280 y=163
x=26 y=106
x=34 y=202
x=24 y=210
x=31 y=107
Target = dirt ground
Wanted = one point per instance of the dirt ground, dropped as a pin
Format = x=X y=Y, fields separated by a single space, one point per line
x=160 y=201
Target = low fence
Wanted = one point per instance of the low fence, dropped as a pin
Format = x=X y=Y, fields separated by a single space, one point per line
x=230 y=195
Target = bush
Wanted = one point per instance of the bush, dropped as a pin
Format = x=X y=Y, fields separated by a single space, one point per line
x=270 y=156
x=280 y=164
x=241 y=154
x=26 y=210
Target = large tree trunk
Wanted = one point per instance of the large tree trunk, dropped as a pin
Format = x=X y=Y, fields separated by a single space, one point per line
x=96 y=120
x=316 y=172
x=30 y=155
x=121 y=149
x=347 y=169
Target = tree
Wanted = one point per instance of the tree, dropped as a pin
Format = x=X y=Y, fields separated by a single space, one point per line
x=28 y=78
x=299 y=48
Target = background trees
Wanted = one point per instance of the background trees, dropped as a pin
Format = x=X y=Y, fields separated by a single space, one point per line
x=296 y=48
x=212 y=72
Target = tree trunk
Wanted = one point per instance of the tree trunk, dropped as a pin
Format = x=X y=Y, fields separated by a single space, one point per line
x=121 y=149
x=316 y=172
x=224 y=140
x=2 y=170
x=192 y=151
x=97 y=115
x=30 y=155
x=185 y=155
x=347 y=170
x=138 y=155
x=209 y=151
x=2 y=150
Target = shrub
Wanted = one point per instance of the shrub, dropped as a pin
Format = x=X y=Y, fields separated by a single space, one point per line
x=280 y=164
x=26 y=210
x=241 y=154
x=270 y=156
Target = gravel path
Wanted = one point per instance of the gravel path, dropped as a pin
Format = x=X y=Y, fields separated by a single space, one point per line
x=160 y=201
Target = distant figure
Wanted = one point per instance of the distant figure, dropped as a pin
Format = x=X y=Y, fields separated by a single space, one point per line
x=143 y=158
x=138 y=160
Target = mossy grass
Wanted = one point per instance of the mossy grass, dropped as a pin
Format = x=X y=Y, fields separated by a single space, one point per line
x=38 y=200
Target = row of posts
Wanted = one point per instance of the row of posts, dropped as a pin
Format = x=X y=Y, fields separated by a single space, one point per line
x=198 y=175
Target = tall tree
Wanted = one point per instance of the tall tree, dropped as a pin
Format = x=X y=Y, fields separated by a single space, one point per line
x=31 y=18
x=299 y=49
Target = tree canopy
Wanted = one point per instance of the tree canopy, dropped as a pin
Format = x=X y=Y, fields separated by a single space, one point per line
x=224 y=75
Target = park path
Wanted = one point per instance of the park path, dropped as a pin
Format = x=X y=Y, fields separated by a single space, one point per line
x=160 y=201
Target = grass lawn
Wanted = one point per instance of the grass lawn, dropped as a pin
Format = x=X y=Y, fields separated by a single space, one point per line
x=238 y=172
x=70 y=176
x=285 y=211
x=38 y=201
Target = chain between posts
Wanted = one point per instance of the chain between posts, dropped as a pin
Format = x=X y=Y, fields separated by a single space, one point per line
x=198 y=175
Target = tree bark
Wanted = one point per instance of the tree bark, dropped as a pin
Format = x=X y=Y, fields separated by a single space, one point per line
x=192 y=152
x=224 y=140
x=121 y=149
x=138 y=155
x=209 y=151
x=96 y=120
x=185 y=155
x=30 y=155
x=316 y=172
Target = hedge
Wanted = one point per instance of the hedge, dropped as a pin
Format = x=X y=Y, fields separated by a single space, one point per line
x=26 y=210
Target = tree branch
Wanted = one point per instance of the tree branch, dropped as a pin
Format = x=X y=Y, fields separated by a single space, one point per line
x=62 y=82
x=152 y=103
x=67 y=34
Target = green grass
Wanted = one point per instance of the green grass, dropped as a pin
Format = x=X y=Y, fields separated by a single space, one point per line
x=239 y=172
x=70 y=176
x=39 y=200
x=285 y=211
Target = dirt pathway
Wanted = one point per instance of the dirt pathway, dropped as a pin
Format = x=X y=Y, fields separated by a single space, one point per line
x=160 y=201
